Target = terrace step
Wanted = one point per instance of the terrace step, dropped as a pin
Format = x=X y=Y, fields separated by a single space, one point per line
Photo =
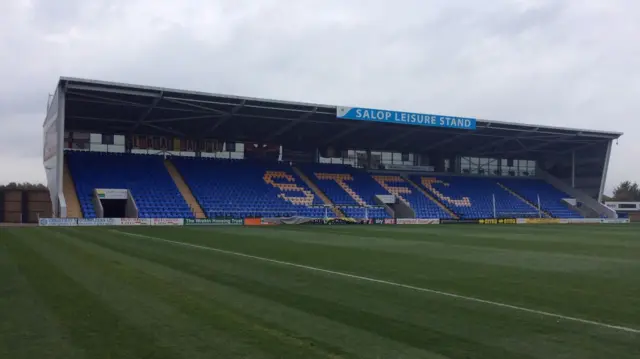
x=517 y=195
x=70 y=195
x=318 y=192
x=432 y=198
x=184 y=189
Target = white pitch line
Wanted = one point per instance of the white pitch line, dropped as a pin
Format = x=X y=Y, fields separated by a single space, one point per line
x=400 y=285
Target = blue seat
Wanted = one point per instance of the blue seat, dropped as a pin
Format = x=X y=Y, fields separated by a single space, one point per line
x=551 y=198
x=473 y=197
x=248 y=188
x=348 y=187
x=145 y=176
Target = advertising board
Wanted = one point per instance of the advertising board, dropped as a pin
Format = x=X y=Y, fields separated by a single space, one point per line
x=57 y=222
x=541 y=220
x=135 y=222
x=253 y=222
x=573 y=220
x=498 y=221
x=405 y=118
x=167 y=221
x=458 y=221
x=213 y=222
x=616 y=220
x=598 y=220
x=417 y=221
x=99 y=221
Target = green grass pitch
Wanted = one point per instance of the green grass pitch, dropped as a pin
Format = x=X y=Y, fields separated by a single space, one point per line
x=457 y=291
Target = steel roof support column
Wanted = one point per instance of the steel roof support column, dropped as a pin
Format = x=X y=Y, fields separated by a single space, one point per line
x=573 y=169
x=146 y=113
x=345 y=132
x=290 y=125
x=605 y=169
x=224 y=118
x=396 y=138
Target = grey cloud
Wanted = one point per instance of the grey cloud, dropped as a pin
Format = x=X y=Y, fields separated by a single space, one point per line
x=567 y=63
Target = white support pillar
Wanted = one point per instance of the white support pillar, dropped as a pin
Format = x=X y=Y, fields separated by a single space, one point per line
x=62 y=102
x=605 y=169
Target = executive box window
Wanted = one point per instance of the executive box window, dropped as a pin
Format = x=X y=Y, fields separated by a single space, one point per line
x=627 y=206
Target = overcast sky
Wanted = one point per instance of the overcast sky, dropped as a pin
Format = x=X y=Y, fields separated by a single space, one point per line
x=573 y=63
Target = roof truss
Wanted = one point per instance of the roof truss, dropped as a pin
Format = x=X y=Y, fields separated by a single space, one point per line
x=124 y=109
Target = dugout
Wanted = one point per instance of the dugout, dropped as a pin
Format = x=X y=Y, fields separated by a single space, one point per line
x=106 y=116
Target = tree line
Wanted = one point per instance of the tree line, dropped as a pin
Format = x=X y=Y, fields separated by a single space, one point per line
x=626 y=191
x=23 y=186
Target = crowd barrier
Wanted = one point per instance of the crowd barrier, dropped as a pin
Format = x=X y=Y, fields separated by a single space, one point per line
x=92 y=222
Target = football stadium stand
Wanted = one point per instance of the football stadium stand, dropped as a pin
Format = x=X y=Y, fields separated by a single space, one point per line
x=184 y=189
x=551 y=198
x=422 y=204
x=352 y=189
x=180 y=154
x=318 y=192
x=146 y=177
x=473 y=197
x=245 y=188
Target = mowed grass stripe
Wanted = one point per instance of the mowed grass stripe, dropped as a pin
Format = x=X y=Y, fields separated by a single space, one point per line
x=89 y=322
x=206 y=327
x=599 y=241
x=190 y=290
x=400 y=285
x=265 y=315
x=269 y=304
x=28 y=329
x=605 y=292
x=517 y=333
x=445 y=333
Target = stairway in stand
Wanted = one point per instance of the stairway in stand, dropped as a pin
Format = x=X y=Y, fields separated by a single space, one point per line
x=184 y=190
x=432 y=198
x=70 y=194
x=515 y=194
x=318 y=192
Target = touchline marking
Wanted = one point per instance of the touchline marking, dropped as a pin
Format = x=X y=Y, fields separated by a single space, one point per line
x=400 y=285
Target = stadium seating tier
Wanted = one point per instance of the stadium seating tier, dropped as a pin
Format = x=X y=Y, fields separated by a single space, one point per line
x=145 y=176
x=249 y=188
x=551 y=198
x=352 y=189
x=244 y=188
x=473 y=197
x=422 y=206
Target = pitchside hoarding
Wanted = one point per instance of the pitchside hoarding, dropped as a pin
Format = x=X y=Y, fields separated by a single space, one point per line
x=213 y=222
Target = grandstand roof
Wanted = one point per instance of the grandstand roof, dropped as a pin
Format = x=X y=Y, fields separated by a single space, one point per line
x=108 y=107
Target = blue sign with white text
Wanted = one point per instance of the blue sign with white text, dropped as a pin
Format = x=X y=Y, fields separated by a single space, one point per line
x=406 y=118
